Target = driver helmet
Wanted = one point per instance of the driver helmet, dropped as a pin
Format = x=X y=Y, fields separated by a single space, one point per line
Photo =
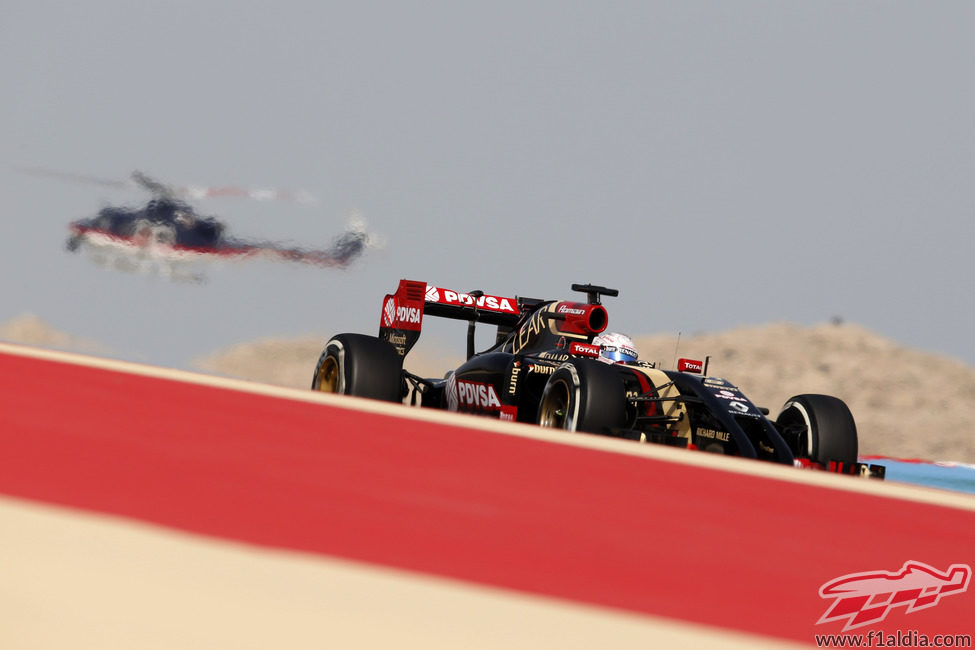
x=618 y=348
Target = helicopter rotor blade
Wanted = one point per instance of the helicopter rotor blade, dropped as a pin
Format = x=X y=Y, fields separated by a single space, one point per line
x=256 y=194
x=141 y=180
x=69 y=176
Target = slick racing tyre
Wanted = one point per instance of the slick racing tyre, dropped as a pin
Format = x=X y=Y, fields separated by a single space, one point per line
x=583 y=395
x=820 y=428
x=360 y=365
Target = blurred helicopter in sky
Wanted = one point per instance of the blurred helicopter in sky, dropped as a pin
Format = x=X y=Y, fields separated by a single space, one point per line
x=168 y=237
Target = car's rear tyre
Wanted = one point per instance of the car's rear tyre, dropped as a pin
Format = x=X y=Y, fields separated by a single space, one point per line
x=583 y=395
x=820 y=428
x=360 y=365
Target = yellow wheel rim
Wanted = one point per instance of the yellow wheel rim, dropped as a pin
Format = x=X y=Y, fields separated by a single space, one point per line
x=328 y=375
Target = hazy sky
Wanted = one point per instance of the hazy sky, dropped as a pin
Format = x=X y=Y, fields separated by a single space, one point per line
x=721 y=163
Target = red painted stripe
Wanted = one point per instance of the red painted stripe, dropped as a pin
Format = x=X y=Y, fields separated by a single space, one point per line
x=609 y=529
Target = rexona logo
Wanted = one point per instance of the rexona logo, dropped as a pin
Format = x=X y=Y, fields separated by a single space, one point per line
x=865 y=598
x=447 y=297
x=475 y=395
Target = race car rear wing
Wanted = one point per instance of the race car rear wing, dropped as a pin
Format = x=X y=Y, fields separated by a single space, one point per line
x=402 y=317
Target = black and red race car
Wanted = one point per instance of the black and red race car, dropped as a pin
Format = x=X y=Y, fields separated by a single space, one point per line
x=545 y=369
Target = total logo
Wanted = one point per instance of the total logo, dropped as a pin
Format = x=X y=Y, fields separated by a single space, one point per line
x=690 y=365
x=476 y=395
x=584 y=349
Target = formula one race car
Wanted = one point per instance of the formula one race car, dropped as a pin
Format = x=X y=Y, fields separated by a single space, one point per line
x=546 y=368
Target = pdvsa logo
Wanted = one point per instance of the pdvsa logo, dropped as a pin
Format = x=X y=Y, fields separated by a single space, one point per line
x=448 y=297
x=395 y=315
x=389 y=312
x=408 y=314
x=477 y=396
x=865 y=598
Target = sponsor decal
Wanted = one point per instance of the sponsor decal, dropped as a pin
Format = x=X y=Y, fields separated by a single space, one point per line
x=408 y=315
x=509 y=413
x=477 y=395
x=867 y=597
x=396 y=315
x=737 y=403
x=584 y=349
x=540 y=369
x=575 y=311
x=513 y=378
x=492 y=303
x=730 y=395
x=451 y=392
x=528 y=332
x=690 y=365
x=554 y=356
x=712 y=434
x=389 y=311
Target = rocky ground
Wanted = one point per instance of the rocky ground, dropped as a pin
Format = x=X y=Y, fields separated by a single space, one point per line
x=907 y=403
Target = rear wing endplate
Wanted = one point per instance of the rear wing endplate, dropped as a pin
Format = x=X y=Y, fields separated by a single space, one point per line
x=402 y=317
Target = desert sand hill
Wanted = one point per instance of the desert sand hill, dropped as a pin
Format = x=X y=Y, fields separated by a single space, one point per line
x=907 y=403
x=291 y=362
x=31 y=330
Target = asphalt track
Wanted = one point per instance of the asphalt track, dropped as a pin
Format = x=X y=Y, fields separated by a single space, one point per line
x=152 y=508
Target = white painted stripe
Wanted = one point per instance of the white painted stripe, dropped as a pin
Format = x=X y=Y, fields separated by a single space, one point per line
x=79 y=580
x=603 y=443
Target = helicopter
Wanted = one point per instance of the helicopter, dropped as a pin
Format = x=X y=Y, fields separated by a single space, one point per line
x=167 y=236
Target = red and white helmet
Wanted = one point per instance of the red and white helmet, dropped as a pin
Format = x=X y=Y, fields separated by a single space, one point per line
x=616 y=347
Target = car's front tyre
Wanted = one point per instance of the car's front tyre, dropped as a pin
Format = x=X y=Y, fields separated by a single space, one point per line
x=820 y=428
x=583 y=395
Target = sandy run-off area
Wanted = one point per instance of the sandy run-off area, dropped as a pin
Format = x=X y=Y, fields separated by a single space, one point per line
x=907 y=403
